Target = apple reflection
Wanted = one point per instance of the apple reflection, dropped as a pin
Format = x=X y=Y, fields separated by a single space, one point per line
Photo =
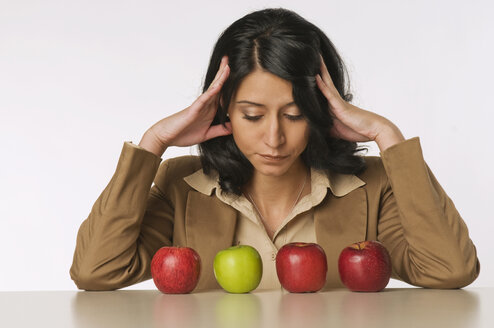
x=303 y=310
x=176 y=310
x=399 y=307
x=392 y=307
x=238 y=310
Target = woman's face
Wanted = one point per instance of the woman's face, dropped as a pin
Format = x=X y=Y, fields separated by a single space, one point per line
x=267 y=125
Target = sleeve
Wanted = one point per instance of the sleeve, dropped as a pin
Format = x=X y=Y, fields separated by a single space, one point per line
x=428 y=240
x=127 y=223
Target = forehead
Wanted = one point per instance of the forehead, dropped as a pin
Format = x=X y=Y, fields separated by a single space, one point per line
x=265 y=88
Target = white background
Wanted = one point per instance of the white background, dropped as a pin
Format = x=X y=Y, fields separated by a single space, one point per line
x=78 y=78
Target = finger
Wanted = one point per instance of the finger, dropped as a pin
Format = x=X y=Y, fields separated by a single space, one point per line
x=220 y=69
x=324 y=73
x=336 y=104
x=213 y=90
x=218 y=131
x=326 y=77
x=328 y=92
x=223 y=63
x=218 y=83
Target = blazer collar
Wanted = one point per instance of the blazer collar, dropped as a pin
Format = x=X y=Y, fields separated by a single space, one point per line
x=339 y=184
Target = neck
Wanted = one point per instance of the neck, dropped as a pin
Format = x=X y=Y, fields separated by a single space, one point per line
x=274 y=195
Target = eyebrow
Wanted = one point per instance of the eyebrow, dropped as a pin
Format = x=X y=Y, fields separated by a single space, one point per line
x=261 y=105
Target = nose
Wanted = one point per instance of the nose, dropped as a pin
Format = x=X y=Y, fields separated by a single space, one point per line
x=274 y=135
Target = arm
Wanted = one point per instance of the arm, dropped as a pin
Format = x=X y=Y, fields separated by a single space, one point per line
x=129 y=222
x=427 y=239
x=419 y=224
x=113 y=249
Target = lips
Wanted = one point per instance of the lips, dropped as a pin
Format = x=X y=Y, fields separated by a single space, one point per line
x=273 y=158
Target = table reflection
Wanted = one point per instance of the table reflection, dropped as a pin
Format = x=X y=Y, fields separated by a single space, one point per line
x=393 y=307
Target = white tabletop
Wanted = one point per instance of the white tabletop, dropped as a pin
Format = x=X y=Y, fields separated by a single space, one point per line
x=393 y=307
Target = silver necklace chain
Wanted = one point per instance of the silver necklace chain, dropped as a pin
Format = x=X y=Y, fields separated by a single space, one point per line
x=293 y=206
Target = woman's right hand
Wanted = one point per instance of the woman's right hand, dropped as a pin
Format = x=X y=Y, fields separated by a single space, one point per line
x=191 y=125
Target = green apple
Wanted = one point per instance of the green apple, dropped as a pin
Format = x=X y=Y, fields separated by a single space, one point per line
x=238 y=269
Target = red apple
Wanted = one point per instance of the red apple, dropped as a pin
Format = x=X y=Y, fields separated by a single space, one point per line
x=301 y=267
x=365 y=266
x=175 y=270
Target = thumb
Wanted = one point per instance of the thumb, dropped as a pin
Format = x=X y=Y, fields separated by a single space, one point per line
x=218 y=131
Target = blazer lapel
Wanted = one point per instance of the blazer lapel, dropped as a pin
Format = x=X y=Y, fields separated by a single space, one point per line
x=210 y=227
x=339 y=222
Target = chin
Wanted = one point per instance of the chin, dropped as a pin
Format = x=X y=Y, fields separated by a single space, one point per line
x=272 y=170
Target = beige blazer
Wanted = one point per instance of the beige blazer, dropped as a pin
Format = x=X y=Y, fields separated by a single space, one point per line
x=401 y=204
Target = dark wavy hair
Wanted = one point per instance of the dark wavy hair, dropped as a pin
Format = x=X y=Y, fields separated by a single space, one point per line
x=283 y=43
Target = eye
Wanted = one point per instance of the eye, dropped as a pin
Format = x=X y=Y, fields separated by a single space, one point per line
x=252 y=118
x=294 y=117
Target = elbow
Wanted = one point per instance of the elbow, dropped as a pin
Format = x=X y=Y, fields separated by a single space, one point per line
x=452 y=278
x=89 y=281
x=92 y=285
x=107 y=279
x=462 y=277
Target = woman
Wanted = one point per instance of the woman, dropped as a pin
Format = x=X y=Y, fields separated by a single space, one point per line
x=279 y=163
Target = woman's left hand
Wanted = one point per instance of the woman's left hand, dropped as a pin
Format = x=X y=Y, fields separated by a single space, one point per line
x=353 y=123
